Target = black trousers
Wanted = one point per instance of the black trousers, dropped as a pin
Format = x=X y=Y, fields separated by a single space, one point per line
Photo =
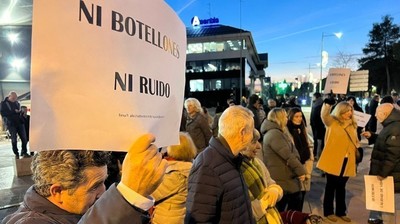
x=290 y=202
x=335 y=190
x=20 y=130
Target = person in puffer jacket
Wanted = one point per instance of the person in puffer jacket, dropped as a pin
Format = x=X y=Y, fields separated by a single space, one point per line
x=170 y=196
x=217 y=192
x=282 y=159
x=385 y=156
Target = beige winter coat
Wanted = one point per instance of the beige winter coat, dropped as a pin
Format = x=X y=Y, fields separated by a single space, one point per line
x=338 y=145
x=171 y=195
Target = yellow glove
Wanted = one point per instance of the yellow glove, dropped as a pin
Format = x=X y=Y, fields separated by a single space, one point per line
x=269 y=199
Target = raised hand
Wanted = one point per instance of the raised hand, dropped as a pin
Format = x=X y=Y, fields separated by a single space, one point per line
x=143 y=167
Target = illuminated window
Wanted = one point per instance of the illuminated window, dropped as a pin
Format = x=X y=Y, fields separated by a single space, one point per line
x=197 y=85
x=194 y=48
x=218 y=84
x=206 y=47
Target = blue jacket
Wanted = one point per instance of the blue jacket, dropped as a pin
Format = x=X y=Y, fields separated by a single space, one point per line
x=217 y=192
x=110 y=208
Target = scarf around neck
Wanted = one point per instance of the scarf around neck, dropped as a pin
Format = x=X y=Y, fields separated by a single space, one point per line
x=300 y=141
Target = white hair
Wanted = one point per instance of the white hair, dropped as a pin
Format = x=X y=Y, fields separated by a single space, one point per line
x=195 y=102
x=233 y=119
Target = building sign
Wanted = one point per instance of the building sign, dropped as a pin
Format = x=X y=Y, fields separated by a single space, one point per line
x=204 y=22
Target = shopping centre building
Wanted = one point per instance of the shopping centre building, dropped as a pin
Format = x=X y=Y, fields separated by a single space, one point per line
x=222 y=62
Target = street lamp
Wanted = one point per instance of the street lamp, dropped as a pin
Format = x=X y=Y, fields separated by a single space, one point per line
x=338 y=35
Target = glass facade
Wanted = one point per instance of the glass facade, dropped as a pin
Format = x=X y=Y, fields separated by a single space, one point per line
x=213 y=65
x=213 y=46
x=206 y=85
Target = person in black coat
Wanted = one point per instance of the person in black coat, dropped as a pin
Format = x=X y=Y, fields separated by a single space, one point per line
x=11 y=113
x=373 y=104
x=385 y=156
x=317 y=127
x=26 y=119
x=253 y=106
x=217 y=192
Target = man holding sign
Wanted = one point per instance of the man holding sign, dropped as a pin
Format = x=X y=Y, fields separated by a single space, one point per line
x=69 y=187
x=385 y=157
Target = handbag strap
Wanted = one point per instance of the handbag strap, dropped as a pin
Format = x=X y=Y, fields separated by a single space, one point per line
x=350 y=138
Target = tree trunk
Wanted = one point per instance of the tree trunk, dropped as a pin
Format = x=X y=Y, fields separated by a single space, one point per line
x=387 y=79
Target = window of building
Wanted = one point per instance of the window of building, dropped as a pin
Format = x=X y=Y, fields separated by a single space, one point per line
x=200 y=85
x=213 y=65
x=196 y=85
x=195 y=48
x=206 y=47
x=218 y=84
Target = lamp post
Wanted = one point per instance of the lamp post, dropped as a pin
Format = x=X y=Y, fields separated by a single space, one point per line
x=338 y=35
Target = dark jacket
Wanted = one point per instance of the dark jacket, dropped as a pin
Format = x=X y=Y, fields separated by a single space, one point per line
x=110 y=208
x=257 y=122
x=281 y=157
x=217 y=192
x=315 y=119
x=200 y=131
x=37 y=209
x=8 y=113
x=385 y=157
x=373 y=104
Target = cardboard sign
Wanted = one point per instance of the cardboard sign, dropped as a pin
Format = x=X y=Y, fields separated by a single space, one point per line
x=361 y=118
x=104 y=73
x=379 y=195
x=337 y=81
x=359 y=80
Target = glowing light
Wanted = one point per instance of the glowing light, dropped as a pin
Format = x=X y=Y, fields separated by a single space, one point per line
x=13 y=37
x=17 y=63
x=338 y=35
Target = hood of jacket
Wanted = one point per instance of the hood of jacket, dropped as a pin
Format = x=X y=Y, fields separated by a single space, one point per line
x=183 y=167
x=317 y=102
x=394 y=116
x=268 y=125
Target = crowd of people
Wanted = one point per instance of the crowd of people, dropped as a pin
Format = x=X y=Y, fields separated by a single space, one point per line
x=247 y=164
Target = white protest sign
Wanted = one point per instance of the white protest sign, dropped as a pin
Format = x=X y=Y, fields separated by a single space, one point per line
x=379 y=195
x=337 y=81
x=361 y=118
x=105 y=72
x=359 y=80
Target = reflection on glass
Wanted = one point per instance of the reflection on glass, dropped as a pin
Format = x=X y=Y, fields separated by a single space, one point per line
x=197 y=85
x=207 y=47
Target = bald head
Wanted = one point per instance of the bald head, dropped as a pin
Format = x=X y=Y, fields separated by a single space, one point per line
x=12 y=96
x=383 y=111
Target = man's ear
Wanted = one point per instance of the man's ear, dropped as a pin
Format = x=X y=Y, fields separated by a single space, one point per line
x=242 y=133
x=55 y=193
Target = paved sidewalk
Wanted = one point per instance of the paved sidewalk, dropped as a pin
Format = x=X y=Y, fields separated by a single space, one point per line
x=12 y=188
